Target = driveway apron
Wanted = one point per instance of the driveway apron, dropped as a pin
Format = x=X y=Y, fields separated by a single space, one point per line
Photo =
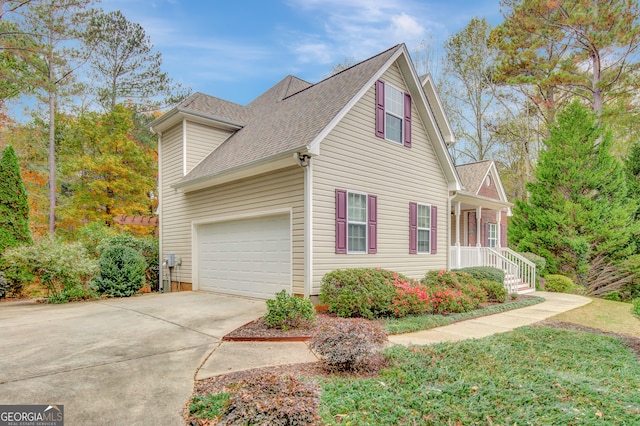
x=114 y=362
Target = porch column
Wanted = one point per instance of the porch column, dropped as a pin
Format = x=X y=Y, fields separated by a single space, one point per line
x=478 y=234
x=498 y=230
x=458 y=250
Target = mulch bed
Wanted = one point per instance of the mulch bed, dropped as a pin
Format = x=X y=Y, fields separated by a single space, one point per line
x=258 y=331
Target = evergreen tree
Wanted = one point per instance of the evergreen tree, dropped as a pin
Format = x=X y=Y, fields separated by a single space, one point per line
x=578 y=215
x=632 y=169
x=14 y=207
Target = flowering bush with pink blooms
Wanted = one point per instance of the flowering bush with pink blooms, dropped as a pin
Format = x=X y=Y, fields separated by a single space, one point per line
x=453 y=291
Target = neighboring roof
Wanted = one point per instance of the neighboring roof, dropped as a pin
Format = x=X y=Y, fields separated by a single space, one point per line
x=472 y=175
x=295 y=116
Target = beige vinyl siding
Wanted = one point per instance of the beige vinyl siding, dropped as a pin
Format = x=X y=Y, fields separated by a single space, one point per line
x=353 y=158
x=201 y=141
x=282 y=189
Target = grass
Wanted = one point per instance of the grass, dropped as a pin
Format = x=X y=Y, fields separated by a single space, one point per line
x=533 y=374
x=604 y=315
x=412 y=323
x=208 y=406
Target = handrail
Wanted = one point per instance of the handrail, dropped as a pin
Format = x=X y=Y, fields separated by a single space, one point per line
x=517 y=268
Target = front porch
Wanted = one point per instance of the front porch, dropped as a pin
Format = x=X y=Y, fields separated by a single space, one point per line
x=479 y=238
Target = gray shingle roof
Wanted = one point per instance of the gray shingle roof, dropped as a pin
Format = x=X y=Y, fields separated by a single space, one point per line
x=215 y=107
x=472 y=175
x=285 y=118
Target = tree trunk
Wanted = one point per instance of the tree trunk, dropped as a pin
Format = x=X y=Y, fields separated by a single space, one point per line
x=52 y=158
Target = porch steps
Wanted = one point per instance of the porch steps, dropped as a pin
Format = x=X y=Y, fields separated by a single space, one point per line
x=523 y=287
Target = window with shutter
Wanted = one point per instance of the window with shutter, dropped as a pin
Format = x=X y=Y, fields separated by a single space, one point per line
x=356 y=222
x=393 y=114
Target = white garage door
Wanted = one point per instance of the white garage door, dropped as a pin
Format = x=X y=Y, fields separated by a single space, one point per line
x=249 y=257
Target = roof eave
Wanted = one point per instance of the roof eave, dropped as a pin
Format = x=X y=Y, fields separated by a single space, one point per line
x=265 y=165
x=176 y=115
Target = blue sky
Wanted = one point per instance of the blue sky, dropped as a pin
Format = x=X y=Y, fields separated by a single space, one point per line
x=236 y=49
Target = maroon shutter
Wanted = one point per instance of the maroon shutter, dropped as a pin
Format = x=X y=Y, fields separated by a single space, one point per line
x=407 y=120
x=413 y=228
x=434 y=229
x=341 y=221
x=503 y=235
x=372 y=223
x=380 y=109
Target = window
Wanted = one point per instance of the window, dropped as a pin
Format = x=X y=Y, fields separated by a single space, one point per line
x=492 y=235
x=424 y=228
x=394 y=111
x=393 y=114
x=356 y=223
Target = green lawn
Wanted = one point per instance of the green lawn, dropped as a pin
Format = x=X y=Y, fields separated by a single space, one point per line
x=604 y=315
x=533 y=375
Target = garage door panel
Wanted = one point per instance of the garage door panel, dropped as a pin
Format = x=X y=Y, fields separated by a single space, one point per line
x=250 y=257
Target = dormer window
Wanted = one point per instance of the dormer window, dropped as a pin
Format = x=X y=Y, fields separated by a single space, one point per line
x=393 y=114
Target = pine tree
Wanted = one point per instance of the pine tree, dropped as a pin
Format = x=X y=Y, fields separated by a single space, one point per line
x=14 y=207
x=578 y=215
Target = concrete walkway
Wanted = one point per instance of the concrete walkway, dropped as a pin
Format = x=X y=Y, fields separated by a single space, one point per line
x=478 y=328
x=237 y=356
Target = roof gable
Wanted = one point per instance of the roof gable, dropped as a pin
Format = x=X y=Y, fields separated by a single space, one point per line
x=474 y=175
x=295 y=116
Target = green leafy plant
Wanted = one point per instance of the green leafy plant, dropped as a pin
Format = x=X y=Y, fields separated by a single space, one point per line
x=349 y=344
x=539 y=261
x=271 y=400
x=121 y=271
x=287 y=311
x=635 y=307
x=453 y=291
x=558 y=283
x=613 y=296
x=208 y=406
x=14 y=205
x=146 y=246
x=4 y=285
x=495 y=291
x=63 y=269
x=484 y=273
x=366 y=293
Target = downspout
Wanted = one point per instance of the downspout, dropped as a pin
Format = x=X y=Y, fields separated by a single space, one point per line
x=159 y=211
x=304 y=161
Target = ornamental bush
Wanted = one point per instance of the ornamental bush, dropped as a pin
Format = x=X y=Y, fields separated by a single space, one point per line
x=453 y=291
x=121 y=271
x=635 y=307
x=272 y=400
x=484 y=273
x=14 y=205
x=558 y=283
x=146 y=246
x=63 y=269
x=495 y=291
x=348 y=345
x=367 y=293
x=288 y=311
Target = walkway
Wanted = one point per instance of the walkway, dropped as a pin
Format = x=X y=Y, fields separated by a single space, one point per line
x=236 y=356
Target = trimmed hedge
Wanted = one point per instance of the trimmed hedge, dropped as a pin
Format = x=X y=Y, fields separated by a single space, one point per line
x=495 y=291
x=288 y=311
x=484 y=273
x=558 y=283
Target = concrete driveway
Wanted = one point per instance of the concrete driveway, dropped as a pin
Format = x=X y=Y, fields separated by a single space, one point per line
x=114 y=362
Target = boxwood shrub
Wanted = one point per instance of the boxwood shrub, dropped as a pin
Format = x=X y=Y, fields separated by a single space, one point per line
x=558 y=283
x=288 y=311
x=495 y=291
x=484 y=273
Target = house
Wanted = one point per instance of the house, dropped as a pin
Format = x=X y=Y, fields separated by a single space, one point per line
x=352 y=171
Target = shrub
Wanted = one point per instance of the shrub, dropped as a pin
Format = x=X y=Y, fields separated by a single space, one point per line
x=558 y=283
x=287 y=311
x=412 y=298
x=121 y=271
x=93 y=235
x=495 y=291
x=453 y=291
x=348 y=345
x=366 y=293
x=613 y=296
x=146 y=246
x=272 y=400
x=635 y=307
x=63 y=269
x=484 y=273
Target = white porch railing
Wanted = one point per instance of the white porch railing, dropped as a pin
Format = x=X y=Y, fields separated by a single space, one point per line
x=517 y=269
